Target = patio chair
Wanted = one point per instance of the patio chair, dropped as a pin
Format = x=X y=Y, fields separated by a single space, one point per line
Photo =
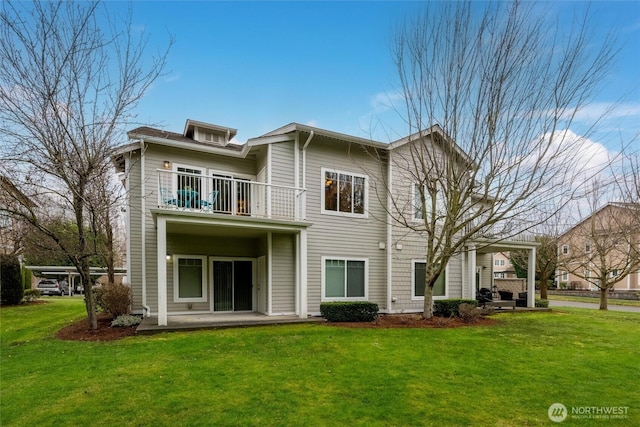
x=208 y=204
x=167 y=197
x=484 y=296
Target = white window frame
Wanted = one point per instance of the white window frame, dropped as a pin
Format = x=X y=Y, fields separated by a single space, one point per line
x=365 y=214
x=587 y=248
x=345 y=259
x=414 y=297
x=565 y=250
x=564 y=276
x=176 y=293
x=441 y=204
x=176 y=172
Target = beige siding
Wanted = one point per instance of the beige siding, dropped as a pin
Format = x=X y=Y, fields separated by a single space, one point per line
x=282 y=164
x=283 y=274
x=343 y=236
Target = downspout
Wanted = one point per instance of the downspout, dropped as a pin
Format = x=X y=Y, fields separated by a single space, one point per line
x=143 y=231
x=389 y=236
x=304 y=174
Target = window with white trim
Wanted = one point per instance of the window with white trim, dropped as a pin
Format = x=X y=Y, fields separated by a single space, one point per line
x=344 y=192
x=419 y=271
x=441 y=206
x=564 y=276
x=565 y=249
x=344 y=278
x=587 y=248
x=189 y=278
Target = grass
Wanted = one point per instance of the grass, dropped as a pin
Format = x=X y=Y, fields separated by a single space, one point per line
x=316 y=375
x=610 y=301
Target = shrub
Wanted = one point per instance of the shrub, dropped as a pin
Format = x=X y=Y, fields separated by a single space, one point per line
x=126 y=320
x=542 y=303
x=11 y=291
x=361 y=311
x=31 y=295
x=469 y=313
x=449 y=307
x=114 y=299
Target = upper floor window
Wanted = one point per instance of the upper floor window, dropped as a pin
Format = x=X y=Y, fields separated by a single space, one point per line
x=417 y=203
x=587 y=248
x=344 y=192
x=499 y=262
x=565 y=249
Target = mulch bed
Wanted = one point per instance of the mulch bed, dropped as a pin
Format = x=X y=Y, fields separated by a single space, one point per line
x=414 y=321
x=79 y=331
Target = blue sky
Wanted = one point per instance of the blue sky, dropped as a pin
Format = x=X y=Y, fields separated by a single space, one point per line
x=256 y=66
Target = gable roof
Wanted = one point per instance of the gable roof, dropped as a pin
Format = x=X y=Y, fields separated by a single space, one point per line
x=630 y=207
x=274 y=135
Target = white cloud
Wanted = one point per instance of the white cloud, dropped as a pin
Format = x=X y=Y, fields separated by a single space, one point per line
x=312 y=122
x=607 y=110
x=385 y=101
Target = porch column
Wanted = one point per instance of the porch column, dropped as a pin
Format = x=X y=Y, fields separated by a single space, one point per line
x=471 y=272
x=162 y=269
x=302 y=276
x=531 y=278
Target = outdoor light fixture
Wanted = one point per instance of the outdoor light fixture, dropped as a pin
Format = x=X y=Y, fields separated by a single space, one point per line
x=168 y=256
x=166 y=164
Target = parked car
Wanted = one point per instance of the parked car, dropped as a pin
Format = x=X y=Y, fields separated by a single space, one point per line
x=53 y=287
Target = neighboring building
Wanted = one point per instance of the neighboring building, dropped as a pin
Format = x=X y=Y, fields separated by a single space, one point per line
x=605 y=243
x=502 y=267
x=277 y=225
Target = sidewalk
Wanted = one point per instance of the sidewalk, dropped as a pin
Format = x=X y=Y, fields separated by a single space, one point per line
x=611 y=307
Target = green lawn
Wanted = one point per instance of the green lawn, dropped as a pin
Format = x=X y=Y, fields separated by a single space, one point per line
x=316 y=375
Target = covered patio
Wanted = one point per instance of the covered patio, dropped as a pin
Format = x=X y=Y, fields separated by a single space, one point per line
x=190 y=322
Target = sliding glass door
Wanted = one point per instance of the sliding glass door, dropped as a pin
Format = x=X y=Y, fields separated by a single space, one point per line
x=232 y=285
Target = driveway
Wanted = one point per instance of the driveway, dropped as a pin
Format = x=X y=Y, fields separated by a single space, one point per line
x=554 y=303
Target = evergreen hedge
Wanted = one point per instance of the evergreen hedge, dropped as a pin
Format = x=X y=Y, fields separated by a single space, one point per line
x=357 y=311
x=11 y=291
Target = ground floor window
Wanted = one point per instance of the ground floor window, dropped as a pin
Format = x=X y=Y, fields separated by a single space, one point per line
x=344 y=278
x=419 y=274
x=189 y=278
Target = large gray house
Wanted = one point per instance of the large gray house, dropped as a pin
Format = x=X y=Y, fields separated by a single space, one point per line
x=277 y=225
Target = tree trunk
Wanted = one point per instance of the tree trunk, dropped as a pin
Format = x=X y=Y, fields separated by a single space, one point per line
x=427 y=312
x=603 y=298
x=89 y=300
x=84 y=267
x=543 y=286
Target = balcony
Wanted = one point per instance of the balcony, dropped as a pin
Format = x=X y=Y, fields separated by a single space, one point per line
x=221 y=195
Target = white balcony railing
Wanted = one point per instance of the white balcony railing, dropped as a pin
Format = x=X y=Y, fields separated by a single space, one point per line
x=230 y=196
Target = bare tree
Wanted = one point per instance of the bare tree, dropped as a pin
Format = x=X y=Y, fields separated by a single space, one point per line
x=604 y=248
x=546 y=261
x=504 y=86
x=68 y=85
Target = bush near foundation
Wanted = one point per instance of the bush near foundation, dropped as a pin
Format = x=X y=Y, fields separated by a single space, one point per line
x=450 y=307
x=361 y=311
x=114 y=299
